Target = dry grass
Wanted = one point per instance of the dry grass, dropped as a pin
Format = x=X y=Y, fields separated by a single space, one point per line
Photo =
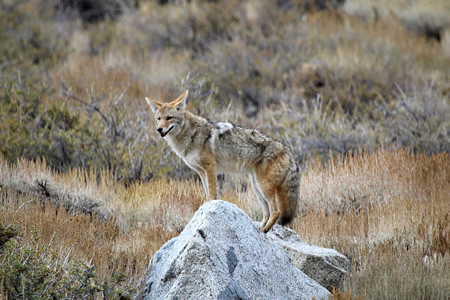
x=369 y=179
x=386 y=210
x=76 y=236
x=95 y=193
x=120 y=237
x=369 y=47
x=417 y=15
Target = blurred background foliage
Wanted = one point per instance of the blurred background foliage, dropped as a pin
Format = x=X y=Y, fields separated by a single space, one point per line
x=321 y=76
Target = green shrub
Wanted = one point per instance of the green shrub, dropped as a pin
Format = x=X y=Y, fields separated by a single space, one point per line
x=29 y=44
x=68 y=140
x=32 y=130
x=6 y=233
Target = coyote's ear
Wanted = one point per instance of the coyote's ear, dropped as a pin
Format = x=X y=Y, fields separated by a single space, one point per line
x=154 y=105
x=180 y=102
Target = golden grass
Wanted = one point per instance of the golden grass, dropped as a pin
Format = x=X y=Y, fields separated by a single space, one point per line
x=388 y=174
x=366 y=46
x=83 y=189
x=99 y=243
x=387 y=210
x=120 y=70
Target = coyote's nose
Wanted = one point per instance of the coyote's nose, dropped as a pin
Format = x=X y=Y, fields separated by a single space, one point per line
x=159 y=129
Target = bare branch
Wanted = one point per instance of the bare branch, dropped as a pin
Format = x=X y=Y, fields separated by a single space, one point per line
x=93 y=107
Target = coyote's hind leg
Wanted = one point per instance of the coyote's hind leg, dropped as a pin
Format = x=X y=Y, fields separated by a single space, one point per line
x=260 y=196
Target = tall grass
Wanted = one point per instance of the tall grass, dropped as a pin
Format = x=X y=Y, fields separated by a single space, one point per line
x=387 y=210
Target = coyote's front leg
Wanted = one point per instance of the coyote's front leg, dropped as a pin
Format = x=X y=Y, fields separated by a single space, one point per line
x=204 y=180
x=208 y=176
x=211 y=178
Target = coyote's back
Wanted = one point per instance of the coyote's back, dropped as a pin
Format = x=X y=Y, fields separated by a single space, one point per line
x=211 y=148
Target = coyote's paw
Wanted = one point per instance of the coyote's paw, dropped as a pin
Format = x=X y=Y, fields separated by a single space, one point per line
x=263 y=226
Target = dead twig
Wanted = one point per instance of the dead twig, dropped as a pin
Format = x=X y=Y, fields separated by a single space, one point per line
x=93 y=107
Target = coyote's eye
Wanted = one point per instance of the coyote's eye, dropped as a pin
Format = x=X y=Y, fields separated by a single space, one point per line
x=158 y=118
x=169 y=118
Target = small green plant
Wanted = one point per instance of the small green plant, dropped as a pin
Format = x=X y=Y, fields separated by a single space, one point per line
x=6 y=233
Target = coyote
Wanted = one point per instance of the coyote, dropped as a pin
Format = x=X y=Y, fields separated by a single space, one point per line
x=210 y=148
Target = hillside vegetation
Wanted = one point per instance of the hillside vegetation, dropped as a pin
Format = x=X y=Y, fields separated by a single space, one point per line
x=358 y=89
x=386 y=210
x=316 y=79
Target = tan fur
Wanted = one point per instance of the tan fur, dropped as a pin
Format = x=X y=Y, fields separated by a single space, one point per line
x=212 y=148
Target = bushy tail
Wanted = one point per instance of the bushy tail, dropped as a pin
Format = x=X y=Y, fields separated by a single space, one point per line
x=291 y=192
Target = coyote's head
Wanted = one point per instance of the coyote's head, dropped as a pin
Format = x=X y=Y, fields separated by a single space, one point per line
x=169 y=117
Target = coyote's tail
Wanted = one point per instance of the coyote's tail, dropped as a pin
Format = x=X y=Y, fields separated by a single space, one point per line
x=291 y=189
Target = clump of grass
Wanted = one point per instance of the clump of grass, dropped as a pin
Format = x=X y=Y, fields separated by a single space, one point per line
x=61 y=254
x=338 y=187
x=97 y=193
x=112 y=244
x=387 y=212
x=41 y=270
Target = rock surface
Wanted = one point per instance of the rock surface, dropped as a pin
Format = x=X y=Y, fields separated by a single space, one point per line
x=326 y=266
x=221 y=255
